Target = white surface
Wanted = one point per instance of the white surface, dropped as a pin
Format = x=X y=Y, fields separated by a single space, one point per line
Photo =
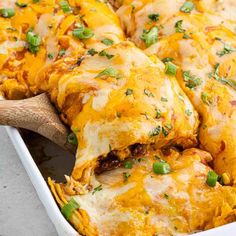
x=21 y=212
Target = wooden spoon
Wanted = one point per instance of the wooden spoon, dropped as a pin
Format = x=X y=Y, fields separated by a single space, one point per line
x=36 y=114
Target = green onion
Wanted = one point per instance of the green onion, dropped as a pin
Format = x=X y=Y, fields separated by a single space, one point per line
x=148 y=93
x=97 y=189
x=65 y=7
x=226 y=50
x=158 y=114
x=178 y=27
x=170 y=68
x=164 y=99
x=206 y=98
x=154 y=17
x=36 y=1
x=150 y=36
x=156 y=131
x=107 y=42
x=7 y=12
x=83 y=33
x=211 y=178
x=34 y=41
x=129 y=92
x=68 y=209
x=128 y=165
x=187 y=7
x=62 y=52
x=111 y=72
x=126 y=176
x=191 y=80
x=21 y=4
x=72 y=139
x=188 y=112
x=50 y=56
x=105 y=54
x=161 y=168
x=92 y=52
x=167 y=59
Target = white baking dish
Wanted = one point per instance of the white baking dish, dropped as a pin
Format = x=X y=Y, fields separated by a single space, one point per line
x=62 y=226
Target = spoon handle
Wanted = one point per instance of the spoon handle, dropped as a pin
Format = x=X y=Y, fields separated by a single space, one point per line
x=36 y=114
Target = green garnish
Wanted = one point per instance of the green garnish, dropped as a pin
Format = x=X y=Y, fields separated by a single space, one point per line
x=166 y=196
x=34 y=41
x=148 y=93
x=62 y=52
x=82 y=33
x=191 y=80
x=170 y=68
x=154 y=17
x=166 y=129
x=72 y=139
x=36 y=1
x=178 y=27
x=129 y=92
x=126 y=176
x=128 y=165
x=167 y=59
x=187 y=7
x=226 y=50
x=150 y=36
x=225 y=81
x=50 y=56
x=21 y=4
x=212 y=178
x=107 y=42
x=158 y=113
x=97 y=189
x=7 y=12
x=188 y=112
x=65 y=7
x=164 y=99
x=92 y=52
x=156 y=131
x=105 y=54
x=68 y=209
x=111 y=72
x=206 y=98
x=161 y=168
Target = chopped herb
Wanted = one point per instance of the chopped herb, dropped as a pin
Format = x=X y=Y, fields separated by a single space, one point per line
x=166 y=129
x=158 y=113
x=34 y=41
x=92 y=52
x=36 y=1
x=150 y=36
x=215 y=75
x=68 y=209
x=188 y=112
x=170 y=68
x=50 y=56
x=166 y=196
x=204 y=126
x=161 y=168
x=187 y=7
x=128 y=165
x=181 y=97
x=178 y=27
x=206 y=99
x=191 y=80
x=148 y=93
x=110 y=72
x=65 y=7
x=7 y=12
x=185 y=36
x=167 y=59
x=72 y=139
x=164 y=99
x=21 y=4
x=212 y=178
x=97 y=189
x=126 y=176
x=226 y=50
x=156 y=131
x=105 y=54
x=107 y=42
x=62 y=52
x=129 y=92
x=83 y=33
x=154 y=17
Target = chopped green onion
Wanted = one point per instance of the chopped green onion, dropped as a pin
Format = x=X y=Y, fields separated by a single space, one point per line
x=158 y=114
x=50 y=56
x=72 y=139
x=154 y=17
x=21 y=4
x=150 y=36
x=107 y=42
x=170 y=68
x=111 y=72
x=129 y=92
x=164 y=99
x=167 y=59
x=156 y=131
x=187 y=7
x=7 y=12
x=105 y=54
x=97 y=189
x=212 y=178
x=83 y=33
x=65 y=7
x=34 y=41
x=92 y=52
x=62 y=52
x=36 y=1
x=191 y=80
x=126 y=176
x=128 y=165
x=226 y=50
x=206 y=98
x=188 y=112
x=68 y=209
x=161 y=168
x=178 y=27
